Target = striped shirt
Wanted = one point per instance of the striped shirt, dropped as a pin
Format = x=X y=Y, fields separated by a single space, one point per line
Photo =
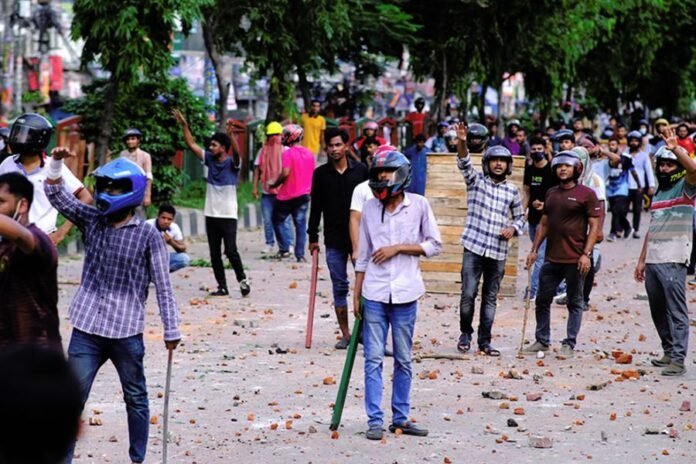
x=118 y=267
x=670 y=232
x=490 y=205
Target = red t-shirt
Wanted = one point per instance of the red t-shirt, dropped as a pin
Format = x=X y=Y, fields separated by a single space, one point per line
x=417 y=120
x=29 y=290
x=687 y=144
x=567 y=214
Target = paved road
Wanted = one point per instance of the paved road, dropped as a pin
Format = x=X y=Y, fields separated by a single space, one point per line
x=231 y=388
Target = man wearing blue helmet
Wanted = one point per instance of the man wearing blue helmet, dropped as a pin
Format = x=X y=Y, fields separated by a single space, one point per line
x=122 y=255
x=494 y=217
x=396 y=228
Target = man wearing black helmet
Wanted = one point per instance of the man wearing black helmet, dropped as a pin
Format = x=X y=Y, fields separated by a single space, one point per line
x=396 y=228
x=644 y=171
x=29 y=137
x=491 y=201
x=563 y=140
x=570 y=224
x=4 y=143
x=666 y=250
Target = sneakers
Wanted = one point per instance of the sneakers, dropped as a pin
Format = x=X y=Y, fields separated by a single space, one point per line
x=301 y=259
x=375 y=432
x=611 y=238
x=674 y=369
x=664 y=361
x=244 y=287
x=534 y=348
x=221 y=291
x=636 y=234
x=281 y=255
x=692 y=282
x=342 y=344
x=567 y=351
x=627 y=233
x=267 y=250
x=409 y=428
x=561 y=298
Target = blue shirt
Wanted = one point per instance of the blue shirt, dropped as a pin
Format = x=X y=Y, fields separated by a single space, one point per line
x=618 y=183
x=221 y=187
x=419 y=168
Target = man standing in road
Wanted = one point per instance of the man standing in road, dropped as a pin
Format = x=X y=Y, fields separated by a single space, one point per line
x=132 y=138
x=29 y=137
x=491 y=201
x=644 y=171
x=332 y=189
x=666 y=251
x=396 y=229
x=28 y=267
x=220 y=203
x=294 y=184
x=570 y=224
x=314 y=126
x=122 y=256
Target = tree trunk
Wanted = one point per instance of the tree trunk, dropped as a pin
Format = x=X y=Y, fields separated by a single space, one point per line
x=445 y=88
x=482 y=102
x=275 y=99
x=216 y=60
x=101 y=145
x=304 y=87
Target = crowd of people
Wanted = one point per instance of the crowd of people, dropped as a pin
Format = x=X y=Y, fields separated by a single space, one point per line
x=368 y=201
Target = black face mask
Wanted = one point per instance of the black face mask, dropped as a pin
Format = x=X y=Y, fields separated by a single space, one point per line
x=537 y=155
x=666 y=180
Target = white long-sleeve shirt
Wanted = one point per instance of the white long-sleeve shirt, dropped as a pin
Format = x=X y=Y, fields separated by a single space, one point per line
x=643 y=166
x=397 y=280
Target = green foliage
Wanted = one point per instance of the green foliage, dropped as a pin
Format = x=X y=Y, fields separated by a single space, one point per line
x=147 y=105
x=131 y=37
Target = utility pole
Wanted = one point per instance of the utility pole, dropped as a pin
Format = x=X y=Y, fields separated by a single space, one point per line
x=20 y=23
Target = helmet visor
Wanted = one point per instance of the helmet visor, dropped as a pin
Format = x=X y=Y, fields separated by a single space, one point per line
x=24 y=134
x=564 y=160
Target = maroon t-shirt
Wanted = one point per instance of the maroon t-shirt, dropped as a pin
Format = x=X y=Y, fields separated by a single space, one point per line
x=29 y=293
x=567 y=213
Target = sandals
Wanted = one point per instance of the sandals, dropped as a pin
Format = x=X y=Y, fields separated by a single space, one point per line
x=463 y=345
x=489 y=351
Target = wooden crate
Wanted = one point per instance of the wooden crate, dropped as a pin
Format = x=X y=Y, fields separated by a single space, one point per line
x=446 y=192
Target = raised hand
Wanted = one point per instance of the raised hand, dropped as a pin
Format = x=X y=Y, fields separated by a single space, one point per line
x=60 y=153
x=462 y=130
x=179 y=117
x=670 y=138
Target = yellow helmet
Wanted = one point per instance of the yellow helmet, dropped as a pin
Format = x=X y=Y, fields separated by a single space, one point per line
x=662 y=121
x=274 y=128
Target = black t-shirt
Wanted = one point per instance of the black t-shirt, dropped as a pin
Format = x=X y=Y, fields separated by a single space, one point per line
x=539 y=181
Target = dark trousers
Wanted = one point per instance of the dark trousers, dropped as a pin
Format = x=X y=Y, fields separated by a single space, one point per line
x=297 y=208
x=223 y=231
x=618 y=206
x=87 y=353
x=550 y=276
x=665 y=284
x=635 y=197
x=692 y=260
x=473 y=266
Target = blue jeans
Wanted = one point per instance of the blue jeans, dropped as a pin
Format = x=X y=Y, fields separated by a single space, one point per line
x=665 y=284
x=87 y=353
x=473 y=266
x=267 y=203
x=297 y=208
x=337 y=262
x=376 y=320
x=178 y=261
x=551 y=275
x=541 y=254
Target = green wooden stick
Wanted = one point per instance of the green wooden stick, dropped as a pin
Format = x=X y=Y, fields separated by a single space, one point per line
x=345 y=377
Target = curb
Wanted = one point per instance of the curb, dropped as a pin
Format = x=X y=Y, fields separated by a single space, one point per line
x=191 y=222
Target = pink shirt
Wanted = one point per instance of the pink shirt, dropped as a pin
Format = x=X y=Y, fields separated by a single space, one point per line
x=300 y=161
x=397 y=280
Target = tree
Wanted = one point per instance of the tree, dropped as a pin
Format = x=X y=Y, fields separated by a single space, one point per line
x=162 y=136
x=131 y=40
x=280 y=38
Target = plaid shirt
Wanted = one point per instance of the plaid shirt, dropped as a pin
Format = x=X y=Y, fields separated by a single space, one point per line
x=119 y=265
x=489 y=207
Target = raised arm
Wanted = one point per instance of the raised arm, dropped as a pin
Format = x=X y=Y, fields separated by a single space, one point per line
x=13 y=231
x=188 y=137
x=73 y=209
x=682 y=155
